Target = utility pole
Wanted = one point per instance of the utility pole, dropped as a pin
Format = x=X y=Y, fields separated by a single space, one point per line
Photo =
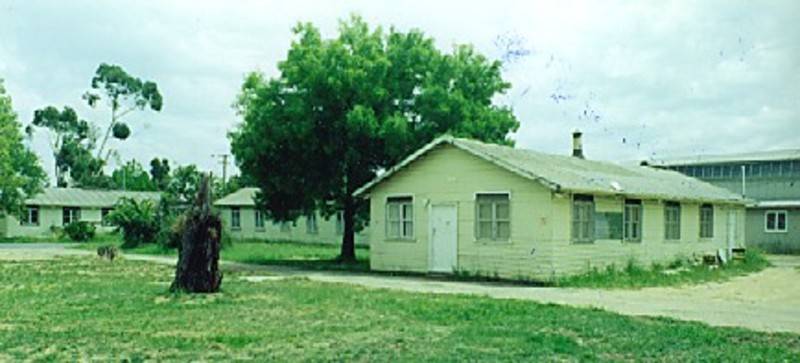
x=224 y=163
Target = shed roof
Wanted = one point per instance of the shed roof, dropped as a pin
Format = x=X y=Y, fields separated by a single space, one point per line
x=242 y=197
x=571 y=174
x=75 y=197
x=773 y=155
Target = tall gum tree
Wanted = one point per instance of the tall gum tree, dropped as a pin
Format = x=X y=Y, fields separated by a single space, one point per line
x=344 y=108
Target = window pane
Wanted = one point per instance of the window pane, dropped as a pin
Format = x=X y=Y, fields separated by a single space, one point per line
x=770 y=221
x=408 y=212
x=781 y=221
x=484 y=211
x=408 y=229
x=393 y=211
x=485 y=230
x=393 y=229
x=503 y=230
x=502 y=211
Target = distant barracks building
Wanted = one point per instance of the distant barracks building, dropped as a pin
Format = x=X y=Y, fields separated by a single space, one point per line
x=770 y=180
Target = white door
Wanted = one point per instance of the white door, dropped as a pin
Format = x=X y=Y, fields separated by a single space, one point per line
x=443 y=238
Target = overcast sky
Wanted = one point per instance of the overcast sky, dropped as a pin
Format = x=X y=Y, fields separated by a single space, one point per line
x=640 y=79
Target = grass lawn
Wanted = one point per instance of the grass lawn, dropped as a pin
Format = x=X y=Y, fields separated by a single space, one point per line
x=322 y=257
x=82 y=308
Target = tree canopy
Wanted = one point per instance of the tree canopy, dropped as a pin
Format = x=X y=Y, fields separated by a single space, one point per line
x=344 y=108
x=74 y=140
x=20 y=172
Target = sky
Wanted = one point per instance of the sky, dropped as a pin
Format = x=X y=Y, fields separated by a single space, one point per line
x=640 y=79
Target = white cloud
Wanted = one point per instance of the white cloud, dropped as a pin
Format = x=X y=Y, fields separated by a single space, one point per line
x=639 y=78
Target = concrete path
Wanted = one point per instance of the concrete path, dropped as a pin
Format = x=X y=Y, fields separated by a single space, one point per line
x=765 y=301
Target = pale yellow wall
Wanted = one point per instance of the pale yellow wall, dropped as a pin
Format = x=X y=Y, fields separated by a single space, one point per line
x=449 y=175
x=541 y=223
x=326 y=229
x=50 y=217
x=572 y=258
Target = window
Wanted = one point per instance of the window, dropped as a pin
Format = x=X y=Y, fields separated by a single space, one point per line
x=400 y=218
x=339 y=223
x=311 y=223
x=70 y=214
x=104 y=212
x=632 y=221
x=236 y=218
x=583 y=218
x=493 y=217
x=706 y=221
x=672 y=221
x=259 y=220
x=31 y=217
x=775 y=221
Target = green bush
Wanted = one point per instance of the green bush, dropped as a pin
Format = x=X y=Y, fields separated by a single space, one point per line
x=80 y=231
x=136 y=220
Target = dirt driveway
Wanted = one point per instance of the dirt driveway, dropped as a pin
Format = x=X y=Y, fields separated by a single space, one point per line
x=765 y=301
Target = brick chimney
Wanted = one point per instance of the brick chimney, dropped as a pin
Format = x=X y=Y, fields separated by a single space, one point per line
x=577 y=144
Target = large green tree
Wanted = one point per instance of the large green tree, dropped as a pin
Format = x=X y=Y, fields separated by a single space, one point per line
x=20 y=172
x=344 y=108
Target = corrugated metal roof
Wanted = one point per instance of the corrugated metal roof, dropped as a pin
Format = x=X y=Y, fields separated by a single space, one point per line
x=241 y=197
x=776 y=204
x=567 y=173
x=775 y=155
x=74 y=197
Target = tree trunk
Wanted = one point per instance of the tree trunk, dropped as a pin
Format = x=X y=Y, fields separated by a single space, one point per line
x=348 y=253
x=198 y=256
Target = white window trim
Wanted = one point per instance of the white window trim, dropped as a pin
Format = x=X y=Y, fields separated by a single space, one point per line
x=785 y=221
x=386 y=236
x=238 y=213
x=27 y=220
x=494 y=238
x=256 y=214
x=680 y=221
x=573 y=238
x=625 y=222
x=700 y=225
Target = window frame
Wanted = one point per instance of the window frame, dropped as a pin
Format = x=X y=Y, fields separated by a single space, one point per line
x=31 y=210
x=670 y=224
x=635 y=204
x=493 y=199
x=311 y=224
x=776 y=213
x=258 y=220
x=405 y=217
x=706 y=221
x=579 y=203
x=236 y=218
x=74 y=214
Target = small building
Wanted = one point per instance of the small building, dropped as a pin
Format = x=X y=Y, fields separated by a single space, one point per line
x=770 y=179
x=49 y=211
x=244 y=222
x=459 y=205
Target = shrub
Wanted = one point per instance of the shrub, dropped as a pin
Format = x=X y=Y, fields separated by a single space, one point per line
x=80 y=231
x=136 y=220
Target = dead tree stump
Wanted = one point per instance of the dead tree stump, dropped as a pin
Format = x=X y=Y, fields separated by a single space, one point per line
x=198 y=253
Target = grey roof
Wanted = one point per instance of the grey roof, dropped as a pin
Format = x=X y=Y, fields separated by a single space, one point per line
x=774 y=155
x=567 y=173
x=240 y=198
x=74 y=197
x=775 y=204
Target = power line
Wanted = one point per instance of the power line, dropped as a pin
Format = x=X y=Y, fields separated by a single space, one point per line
x=224 y=163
